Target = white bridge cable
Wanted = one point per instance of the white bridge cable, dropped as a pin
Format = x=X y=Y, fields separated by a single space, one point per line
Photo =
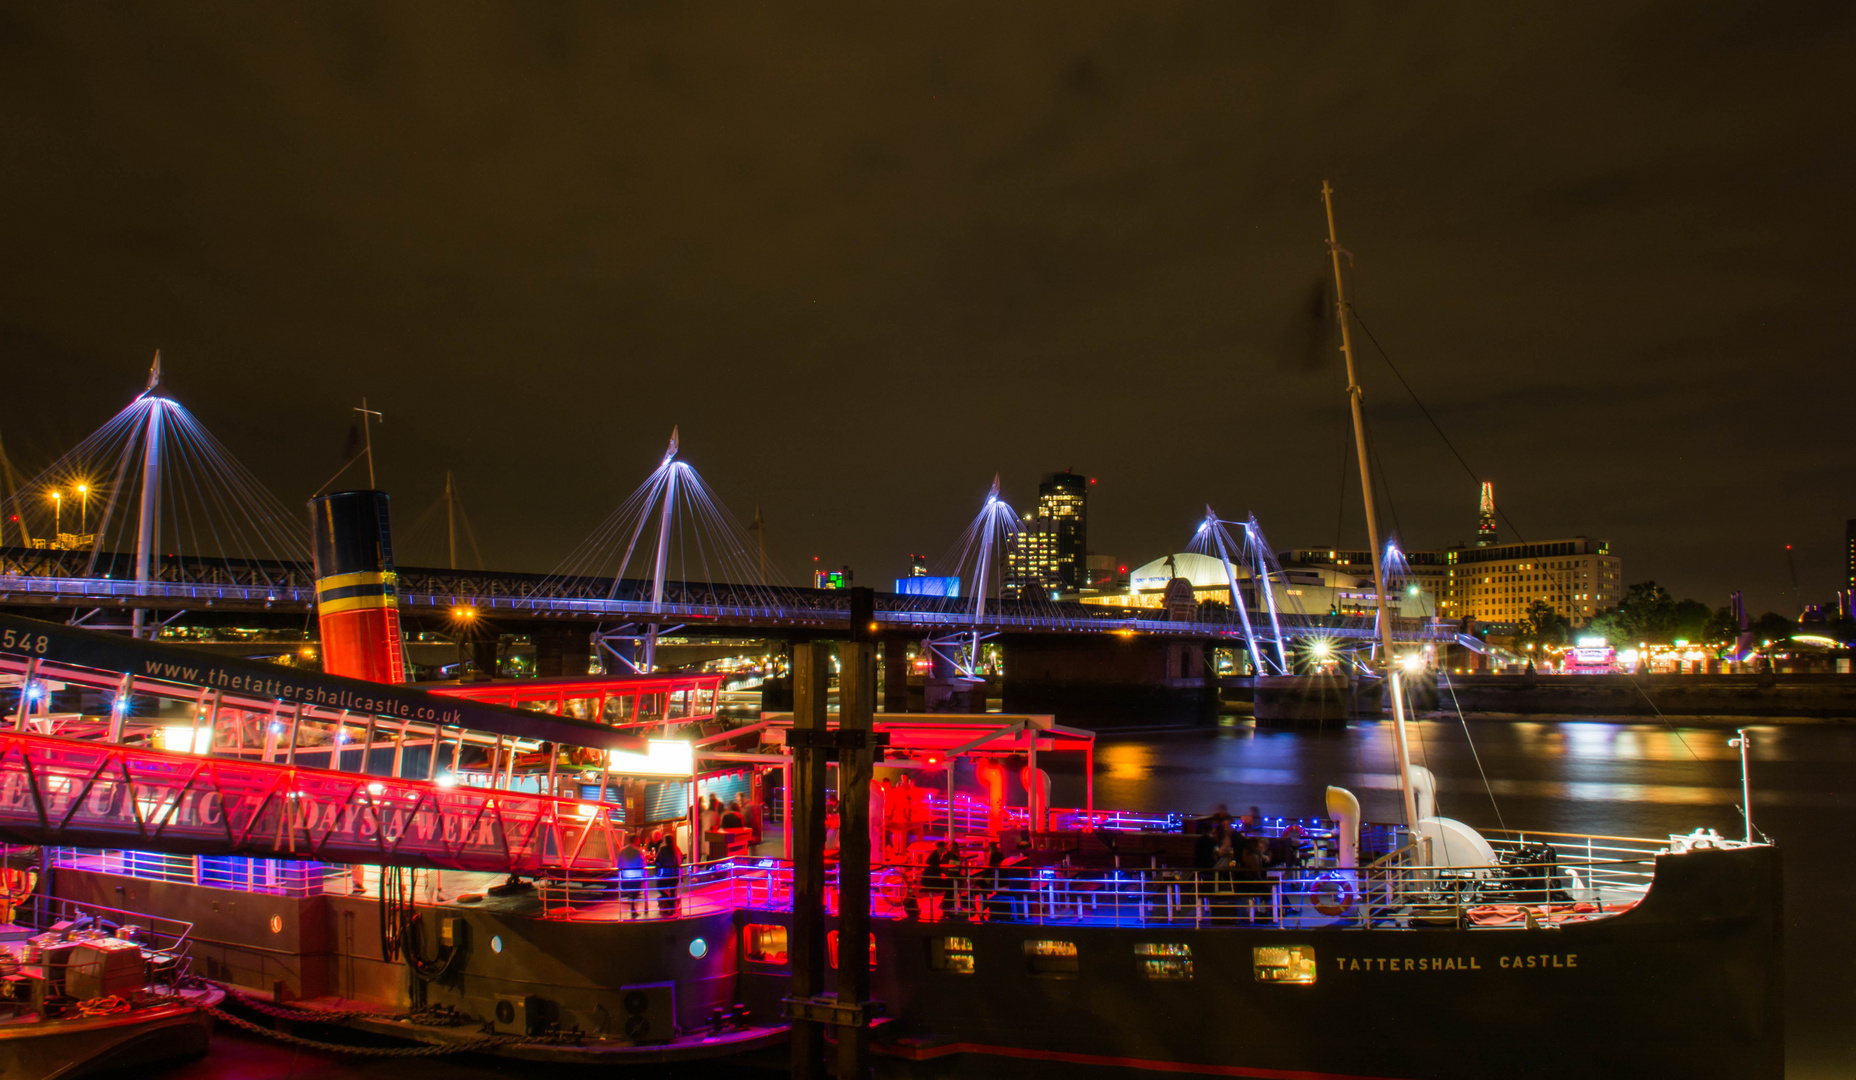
x=674 y=520
x=212 y=512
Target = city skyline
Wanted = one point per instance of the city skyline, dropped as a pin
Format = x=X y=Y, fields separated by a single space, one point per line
x=863 y=288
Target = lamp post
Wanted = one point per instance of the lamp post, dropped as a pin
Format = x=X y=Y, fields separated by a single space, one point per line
x=83 y=513
x=1746 y=786
x=57 y=515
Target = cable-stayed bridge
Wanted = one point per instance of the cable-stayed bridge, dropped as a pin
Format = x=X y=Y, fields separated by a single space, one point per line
x=168 y=525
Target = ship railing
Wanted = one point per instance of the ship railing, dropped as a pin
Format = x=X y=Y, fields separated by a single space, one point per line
x=167 y=944
x=295 y=879
x=1579 y=878
x=701 y=888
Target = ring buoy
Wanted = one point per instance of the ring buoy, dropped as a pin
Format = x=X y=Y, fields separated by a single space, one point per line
x=1344 y=893
x=16 y=885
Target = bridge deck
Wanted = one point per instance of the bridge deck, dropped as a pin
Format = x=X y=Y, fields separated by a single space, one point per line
x=806 y=609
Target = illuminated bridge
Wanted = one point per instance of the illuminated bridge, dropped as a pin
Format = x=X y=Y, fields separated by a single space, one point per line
x=31 y=578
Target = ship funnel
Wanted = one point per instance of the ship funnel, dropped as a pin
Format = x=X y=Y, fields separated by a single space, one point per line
x=1344 y=809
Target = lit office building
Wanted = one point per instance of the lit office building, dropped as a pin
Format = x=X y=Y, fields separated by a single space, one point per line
x=1050 y=553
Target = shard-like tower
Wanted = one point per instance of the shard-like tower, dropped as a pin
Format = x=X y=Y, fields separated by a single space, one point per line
x=1485 y=520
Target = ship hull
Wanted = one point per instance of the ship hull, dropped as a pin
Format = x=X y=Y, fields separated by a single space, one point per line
x=1687 y=984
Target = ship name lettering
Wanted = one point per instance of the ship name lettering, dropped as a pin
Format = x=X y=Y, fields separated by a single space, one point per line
x=1561 y=961
x=1542 y=960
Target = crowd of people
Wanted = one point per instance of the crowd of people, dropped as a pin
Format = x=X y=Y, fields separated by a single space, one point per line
x=658 y=864
x=1240 y=843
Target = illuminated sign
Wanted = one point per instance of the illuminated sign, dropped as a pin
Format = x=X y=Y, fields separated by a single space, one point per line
x=831 y=579
x=928 y=586
x=662 y=757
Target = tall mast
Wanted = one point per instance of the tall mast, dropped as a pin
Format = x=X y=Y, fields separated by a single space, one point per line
x=1355 y=398
x=367 y=435
x=451 y=518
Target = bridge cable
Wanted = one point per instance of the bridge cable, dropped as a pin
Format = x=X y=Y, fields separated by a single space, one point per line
x=1471 y=740
x=1474 y=475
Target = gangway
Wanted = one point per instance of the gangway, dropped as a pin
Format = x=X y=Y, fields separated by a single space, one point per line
x=119 y=743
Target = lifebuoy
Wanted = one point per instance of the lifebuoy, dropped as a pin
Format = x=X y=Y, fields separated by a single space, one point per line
x=16 y=885
x=1345 y=892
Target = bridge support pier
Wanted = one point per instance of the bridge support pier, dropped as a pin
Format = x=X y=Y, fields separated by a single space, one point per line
x=895 y=674
x=1111 y=681
x=562 y=650
x=482 y=658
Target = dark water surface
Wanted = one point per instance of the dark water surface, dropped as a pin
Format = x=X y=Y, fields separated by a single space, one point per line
x=1619 y=778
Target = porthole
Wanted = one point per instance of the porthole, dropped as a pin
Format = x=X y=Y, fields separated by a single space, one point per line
x=496 y=944
x=699 y=948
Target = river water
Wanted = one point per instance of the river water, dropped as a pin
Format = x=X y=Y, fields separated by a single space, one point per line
x=1609 y=777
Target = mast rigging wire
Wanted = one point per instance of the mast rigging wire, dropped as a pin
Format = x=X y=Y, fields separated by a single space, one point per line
x=1383 y=355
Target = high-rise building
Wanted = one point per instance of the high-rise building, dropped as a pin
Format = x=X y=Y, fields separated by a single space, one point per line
x=918 y=566
x=1578 y=577
x=1050 y=553
x=1849 y=553
x=1106 y=575
x=1485 y=519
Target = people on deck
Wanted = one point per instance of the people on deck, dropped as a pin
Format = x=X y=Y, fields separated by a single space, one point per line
x=898 y=812
x=631 y=875
x=938 y=883
x=669 y=871
x=732 y=817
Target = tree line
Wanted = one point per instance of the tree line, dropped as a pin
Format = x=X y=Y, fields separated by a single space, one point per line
x=1648 y=613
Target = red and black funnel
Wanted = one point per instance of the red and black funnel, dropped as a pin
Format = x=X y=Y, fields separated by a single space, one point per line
x=357 y=593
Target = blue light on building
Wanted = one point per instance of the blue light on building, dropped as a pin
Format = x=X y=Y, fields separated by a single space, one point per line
x=928 y=586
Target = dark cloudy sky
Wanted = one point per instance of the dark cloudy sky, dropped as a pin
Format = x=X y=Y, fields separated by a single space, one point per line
x=868 y=257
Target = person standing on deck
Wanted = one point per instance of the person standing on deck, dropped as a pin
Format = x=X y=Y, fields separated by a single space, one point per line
x=669 y=872
x=631 y=874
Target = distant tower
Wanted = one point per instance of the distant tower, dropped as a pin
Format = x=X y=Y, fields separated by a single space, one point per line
x=918 y=566
x=1485 y=521
x=1849 y=545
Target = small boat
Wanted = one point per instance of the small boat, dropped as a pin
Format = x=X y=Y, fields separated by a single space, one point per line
x=94 y=989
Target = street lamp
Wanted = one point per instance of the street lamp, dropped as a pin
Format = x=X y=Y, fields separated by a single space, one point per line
x=57 y=514
x=83 y=514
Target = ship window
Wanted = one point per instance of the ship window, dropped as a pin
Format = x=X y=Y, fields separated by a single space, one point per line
x=953 y=954
x=1046 y=957
x=831 y=950
x=1164 y=960
x=1284 y=963
x=763 y=943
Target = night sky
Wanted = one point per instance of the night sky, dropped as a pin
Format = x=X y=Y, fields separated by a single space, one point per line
x=867 y=258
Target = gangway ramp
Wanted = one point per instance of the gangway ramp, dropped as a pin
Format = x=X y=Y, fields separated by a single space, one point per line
x=116 y=742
